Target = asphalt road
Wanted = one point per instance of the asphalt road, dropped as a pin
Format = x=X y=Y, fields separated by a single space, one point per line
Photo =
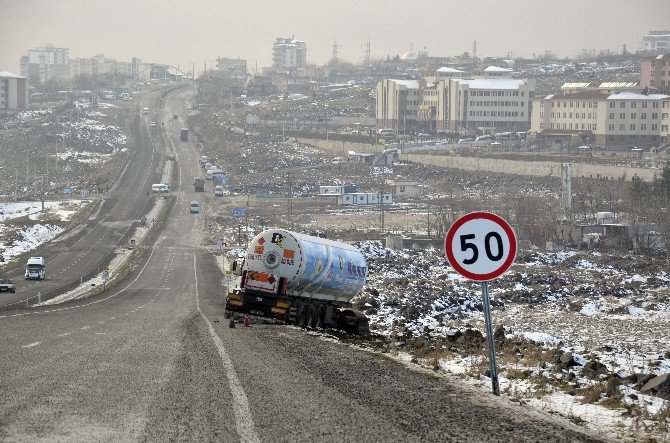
x=153 y=359
x=92 y=245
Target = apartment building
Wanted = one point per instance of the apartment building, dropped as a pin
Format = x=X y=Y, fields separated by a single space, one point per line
x=13 y=91
x=655 y=72
x=232 y=66
x=597 y=117
x=289 y=53
x=46 y=63
x=656 y=41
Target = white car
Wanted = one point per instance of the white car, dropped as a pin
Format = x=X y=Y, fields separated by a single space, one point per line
x=152 y=124
x=218 y=191
x=194 y=208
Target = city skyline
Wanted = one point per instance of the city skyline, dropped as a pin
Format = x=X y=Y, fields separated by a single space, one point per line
x=175 y=33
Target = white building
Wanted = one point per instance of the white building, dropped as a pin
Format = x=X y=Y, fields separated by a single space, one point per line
x=596 y=117
x=364 y=198
x=403 y=188
x=13 y=91
x=46 y=62
x=232 y=66
x=656 y=41
x=493 y=103
x=289 y=53
x=490 y=104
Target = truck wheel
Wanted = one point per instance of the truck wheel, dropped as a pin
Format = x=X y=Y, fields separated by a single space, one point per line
x=311 y=317
x=302 y=317
x=318 y=319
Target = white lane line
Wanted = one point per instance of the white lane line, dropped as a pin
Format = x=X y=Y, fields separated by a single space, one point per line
x=244 y=421
x=64 y=334
x=32 y=344
x=85 y=327
x=112 y=318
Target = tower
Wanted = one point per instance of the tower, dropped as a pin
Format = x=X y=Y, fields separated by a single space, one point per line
x=474 y=49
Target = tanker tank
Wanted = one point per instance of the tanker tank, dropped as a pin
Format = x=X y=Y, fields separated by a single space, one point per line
x=311 y=267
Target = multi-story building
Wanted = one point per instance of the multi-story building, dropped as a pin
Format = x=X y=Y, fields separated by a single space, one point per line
x=398 y=103
x=289 y=53
x=655 y=72
x=490 y=104
x=232 y=66
x=47 y=62
x=493 y=103
x=595 y=117
x=13 y=91
x=656 y=41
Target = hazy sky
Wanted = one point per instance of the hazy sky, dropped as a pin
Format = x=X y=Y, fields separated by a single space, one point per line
x=186 y=31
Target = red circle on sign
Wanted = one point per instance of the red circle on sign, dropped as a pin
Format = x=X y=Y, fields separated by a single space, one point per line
x=495 y=219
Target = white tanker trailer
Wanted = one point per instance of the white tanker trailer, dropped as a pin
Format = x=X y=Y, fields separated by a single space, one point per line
x=304 y=280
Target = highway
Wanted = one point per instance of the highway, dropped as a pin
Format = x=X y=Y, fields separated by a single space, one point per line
x=80 y=254
x=153 y=359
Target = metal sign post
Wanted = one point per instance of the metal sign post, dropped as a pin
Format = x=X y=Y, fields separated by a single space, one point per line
x=482 y=246
x=489 y=338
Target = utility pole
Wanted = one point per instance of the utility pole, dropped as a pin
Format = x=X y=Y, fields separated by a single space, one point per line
x=246 y=222
x=289 y=203
x=428 y=219
x=381 y=205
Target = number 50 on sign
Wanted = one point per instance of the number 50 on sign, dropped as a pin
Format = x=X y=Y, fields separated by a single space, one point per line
x=480 y=246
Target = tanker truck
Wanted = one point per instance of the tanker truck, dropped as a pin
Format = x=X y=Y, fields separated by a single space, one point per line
x=299 y=279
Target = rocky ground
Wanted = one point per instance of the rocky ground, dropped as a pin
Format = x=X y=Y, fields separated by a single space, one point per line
x=572 y=328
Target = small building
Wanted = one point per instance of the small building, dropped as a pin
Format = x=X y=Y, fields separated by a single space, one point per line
x=360 y=157
x=364 y=198
x=331 y=190
x=402 y=188
x=13 y=91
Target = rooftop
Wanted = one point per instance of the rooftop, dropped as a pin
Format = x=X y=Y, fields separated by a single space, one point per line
x=497 y=69
x=492 y=83
x=409 y=84
x=7 y=74
x=635 y=96
x=449 y=70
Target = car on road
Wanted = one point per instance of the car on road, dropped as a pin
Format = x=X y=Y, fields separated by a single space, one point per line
x=218 y=191
x=152 y=124
x=7 y=285
x=466 y=139
x=194 y=208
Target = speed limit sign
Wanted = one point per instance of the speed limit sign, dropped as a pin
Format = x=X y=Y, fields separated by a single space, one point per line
x=480 y=246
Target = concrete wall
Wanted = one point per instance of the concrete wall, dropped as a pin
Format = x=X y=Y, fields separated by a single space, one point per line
x=552 y=169
x=517 y=167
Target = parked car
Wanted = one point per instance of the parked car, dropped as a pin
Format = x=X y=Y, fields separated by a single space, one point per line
x=7 y=285
x=194 y=208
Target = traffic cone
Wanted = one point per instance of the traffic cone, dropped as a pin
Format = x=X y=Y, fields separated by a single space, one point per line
x=232 y=323
x=246 y=321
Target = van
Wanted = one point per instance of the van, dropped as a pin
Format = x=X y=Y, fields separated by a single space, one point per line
x=386 y=132
x=35 y=268
x=212 y=172
x=159 y=187
x=194 y=208
x=218 y=191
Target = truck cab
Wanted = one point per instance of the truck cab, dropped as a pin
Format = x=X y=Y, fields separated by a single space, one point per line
x=35 y=268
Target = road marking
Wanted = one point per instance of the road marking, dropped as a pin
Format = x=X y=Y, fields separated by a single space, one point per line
x=112 y=318
x=32 y=344
x=64 y=334
x=244 y=421
x=85 y=327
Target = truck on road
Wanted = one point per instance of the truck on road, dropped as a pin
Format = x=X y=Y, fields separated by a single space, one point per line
x=299 y=279
x=199 y=184
x=35 y=268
